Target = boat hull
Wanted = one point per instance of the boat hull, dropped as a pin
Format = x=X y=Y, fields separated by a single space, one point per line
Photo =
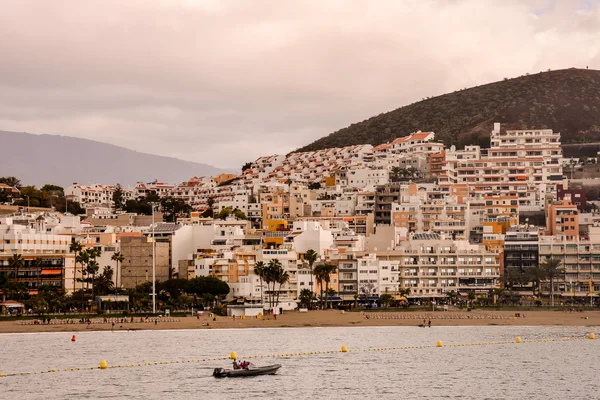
x=239 y=373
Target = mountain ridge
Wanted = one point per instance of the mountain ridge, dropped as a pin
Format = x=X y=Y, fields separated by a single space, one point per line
x=566 y=100
x=37 y=159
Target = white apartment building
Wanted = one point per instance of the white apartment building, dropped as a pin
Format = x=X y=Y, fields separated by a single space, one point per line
x=361 y=177
x=95 y=195
x=159 y=188
x=432 y=267
x=523 y=163
x=46 y=256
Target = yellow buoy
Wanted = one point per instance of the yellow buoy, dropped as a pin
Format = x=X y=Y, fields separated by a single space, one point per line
x=592 y=336
x=518 y=340
x=344 y=349
x=233 y=355
x=439 y=343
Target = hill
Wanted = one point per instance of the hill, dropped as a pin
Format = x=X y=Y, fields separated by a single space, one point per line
x=567 y=101
x=62 y=160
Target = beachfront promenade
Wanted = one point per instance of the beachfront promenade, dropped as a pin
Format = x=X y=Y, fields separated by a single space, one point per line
x=323 y=318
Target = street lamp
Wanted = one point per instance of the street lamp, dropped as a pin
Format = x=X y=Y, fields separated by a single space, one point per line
x=153 y=263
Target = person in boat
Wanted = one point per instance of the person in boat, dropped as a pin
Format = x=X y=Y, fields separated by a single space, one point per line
x=244 y=365
x=236 y=365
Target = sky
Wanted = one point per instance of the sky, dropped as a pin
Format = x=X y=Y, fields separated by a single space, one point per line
x=223 y=82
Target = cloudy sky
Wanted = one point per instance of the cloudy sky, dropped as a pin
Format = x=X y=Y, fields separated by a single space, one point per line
x=223 y=82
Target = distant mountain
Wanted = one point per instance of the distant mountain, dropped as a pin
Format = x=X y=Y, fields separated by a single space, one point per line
x=62 y=160
x=567 y=101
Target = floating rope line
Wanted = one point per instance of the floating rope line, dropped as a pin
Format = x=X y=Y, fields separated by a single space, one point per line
x=103 y=365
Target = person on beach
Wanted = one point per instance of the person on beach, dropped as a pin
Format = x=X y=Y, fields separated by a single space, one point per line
x=430 y=323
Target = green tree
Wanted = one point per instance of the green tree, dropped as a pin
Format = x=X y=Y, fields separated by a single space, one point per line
x=259 y=270
x=552 y=270
x=207 y=285
x=103 y=283
x=386 y=299
x=239 y=214
x=471 y=297
x=323 y=273
x=173 y=208
x=272 y=273
x=55 y=189
x=3 y=282
x=117 y=198
x=16 y=290
x=11 y=181
x=37 y=263
x=311 y=257
x=536 y=274
x=75 y=248
x=53 y=296
x=246 y=166
x=38 y=304
x=15 y=262
x=282 y=278
x=306 y=297
x=224 y=213
x=138 y=207
x=118 y=258
x=174 y=287
x=314 y=185
x=514 y=277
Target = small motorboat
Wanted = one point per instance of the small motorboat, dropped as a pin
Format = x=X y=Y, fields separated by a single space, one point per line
x=252 y=370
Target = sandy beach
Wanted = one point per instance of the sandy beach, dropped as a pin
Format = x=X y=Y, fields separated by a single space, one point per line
x=327 y=318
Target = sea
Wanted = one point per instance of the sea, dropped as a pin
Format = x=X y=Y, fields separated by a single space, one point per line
x=380 y=363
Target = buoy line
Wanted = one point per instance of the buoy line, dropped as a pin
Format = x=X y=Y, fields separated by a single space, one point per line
x=344 y=349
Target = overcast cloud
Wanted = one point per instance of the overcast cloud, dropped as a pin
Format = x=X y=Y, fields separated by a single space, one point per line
x=224 y=82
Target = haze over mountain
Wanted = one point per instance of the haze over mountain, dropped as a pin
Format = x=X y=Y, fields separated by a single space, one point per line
x=62 y=160
x=567 y=101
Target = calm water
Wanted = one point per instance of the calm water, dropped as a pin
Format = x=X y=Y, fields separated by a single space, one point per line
x=551 y=370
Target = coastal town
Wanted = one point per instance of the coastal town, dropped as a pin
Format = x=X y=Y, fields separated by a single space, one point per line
x=409 y=222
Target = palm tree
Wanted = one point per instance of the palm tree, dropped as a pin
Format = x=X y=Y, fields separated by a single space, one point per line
x=118 y=258
x=104 y=282
x=92 y=269
x=16 y=263
x=552 y=270
x=273 y=271
x=305 y=297
x=323 y=273
x=282 y=278
x=75 y=248
x=311 y=256
x=259 y=270
x=3 y=284
x=319 y=276
x=93 y=266
x=82 y=258
x=37 y=264
x=536 y=274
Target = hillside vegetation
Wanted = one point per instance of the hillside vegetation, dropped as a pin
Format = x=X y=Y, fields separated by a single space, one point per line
x=567 y=101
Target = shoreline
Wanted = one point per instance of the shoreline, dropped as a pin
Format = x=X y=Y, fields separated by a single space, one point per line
x=326 y=318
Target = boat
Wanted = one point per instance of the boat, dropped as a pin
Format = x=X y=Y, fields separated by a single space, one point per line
x=250 y=371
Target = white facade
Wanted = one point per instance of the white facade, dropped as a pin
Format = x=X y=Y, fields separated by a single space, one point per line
x=312 y=236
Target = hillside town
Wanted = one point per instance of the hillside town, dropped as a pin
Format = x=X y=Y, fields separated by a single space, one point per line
x=406 y=222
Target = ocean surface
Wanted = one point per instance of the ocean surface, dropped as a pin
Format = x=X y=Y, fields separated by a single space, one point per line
x=562 y=369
